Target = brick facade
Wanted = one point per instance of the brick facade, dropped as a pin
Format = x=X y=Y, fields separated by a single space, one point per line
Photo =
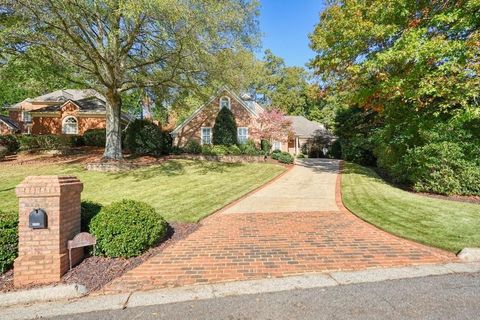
x=206 y=118
x=42 y=253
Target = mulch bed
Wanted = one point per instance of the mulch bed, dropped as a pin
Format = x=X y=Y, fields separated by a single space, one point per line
x=94 y=272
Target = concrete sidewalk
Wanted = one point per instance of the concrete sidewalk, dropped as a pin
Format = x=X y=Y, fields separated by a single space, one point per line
x=309 y=186
x=96 y=304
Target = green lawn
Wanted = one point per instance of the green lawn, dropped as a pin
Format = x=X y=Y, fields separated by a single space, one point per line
x=181 y=190
x=440 y=223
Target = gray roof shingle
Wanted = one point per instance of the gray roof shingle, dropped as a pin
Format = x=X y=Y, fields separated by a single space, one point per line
x=12 y=124
x=305 y=128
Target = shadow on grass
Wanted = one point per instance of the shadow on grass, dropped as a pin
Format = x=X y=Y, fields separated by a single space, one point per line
x=176 y=168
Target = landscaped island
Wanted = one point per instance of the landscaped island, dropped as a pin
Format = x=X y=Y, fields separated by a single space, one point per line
x=440 y=223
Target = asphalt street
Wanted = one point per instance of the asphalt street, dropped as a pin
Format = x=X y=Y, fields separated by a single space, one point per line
x=454 y=296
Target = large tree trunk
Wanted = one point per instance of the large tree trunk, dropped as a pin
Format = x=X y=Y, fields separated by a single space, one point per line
x=113 y=145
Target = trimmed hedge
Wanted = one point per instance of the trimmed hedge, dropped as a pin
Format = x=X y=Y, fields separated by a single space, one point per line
x=49 y=142
x=144 y=137
x=127 y=228
x=193 y=147
x=10 y=142
x=285 y=157
x=95 y=137
x=8 y=240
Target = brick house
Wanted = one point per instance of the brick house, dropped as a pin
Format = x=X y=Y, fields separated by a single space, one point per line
x=68 y=111
x=199 y=126
x=8 y=126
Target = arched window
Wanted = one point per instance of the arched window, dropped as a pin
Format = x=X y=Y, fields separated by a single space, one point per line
x=224 y=102
x=70 y=125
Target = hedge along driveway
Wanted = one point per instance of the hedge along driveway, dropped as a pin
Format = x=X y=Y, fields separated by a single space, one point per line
x=182 y=190
x=440 y=223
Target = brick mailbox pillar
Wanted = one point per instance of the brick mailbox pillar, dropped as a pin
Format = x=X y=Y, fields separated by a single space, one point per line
x=42 y=251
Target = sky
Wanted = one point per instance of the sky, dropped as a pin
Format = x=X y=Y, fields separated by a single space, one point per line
x=285 y=25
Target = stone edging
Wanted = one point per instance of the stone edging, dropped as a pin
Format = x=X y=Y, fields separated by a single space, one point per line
x=339 y=200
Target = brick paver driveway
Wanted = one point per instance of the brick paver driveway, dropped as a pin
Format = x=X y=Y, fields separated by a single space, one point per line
x=266 y=236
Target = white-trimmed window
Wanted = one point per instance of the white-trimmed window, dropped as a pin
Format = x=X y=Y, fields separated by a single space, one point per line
x=206 y=135
x=242 y=135
x=70 y=125
x=224 y=102
x=277 y=145
x=26 y=116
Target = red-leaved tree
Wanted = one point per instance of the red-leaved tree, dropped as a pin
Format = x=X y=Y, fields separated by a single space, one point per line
x=272 y=126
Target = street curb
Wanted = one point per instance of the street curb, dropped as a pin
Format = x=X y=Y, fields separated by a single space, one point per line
x=226 y=289
x=469 y=254
x=62 y=291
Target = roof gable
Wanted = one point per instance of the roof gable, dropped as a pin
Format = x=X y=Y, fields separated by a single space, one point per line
x=251 y=108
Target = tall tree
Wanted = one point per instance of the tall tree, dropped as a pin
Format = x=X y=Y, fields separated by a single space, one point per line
x=119 y=45
x=415 y=65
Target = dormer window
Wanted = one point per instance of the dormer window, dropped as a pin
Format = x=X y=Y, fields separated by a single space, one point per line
x=224 y=102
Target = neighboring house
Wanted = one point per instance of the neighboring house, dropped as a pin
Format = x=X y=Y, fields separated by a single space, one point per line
x=199 y=126
x=8 y=126
x=68 y=111
x=304 y=131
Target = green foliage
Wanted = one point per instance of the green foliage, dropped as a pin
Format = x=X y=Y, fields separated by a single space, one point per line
x=354 y=128
x=3 y=152
x=266 y=146
x=88 y=210
x=193 y=147
x=285 y=157
x=250 y=149
x=134 y=46
x=143 y=137
x=301 y=156
x=95 y=137
x=225 y=128
x=48 y=142
x=335 y=150
x=127 y=228
x=8 y=240
x=409 y=73
x=9 y=141
x=221 y=150
x=275 y=154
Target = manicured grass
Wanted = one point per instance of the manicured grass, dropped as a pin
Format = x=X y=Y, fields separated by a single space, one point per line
x=444 y=224
x=181 y=190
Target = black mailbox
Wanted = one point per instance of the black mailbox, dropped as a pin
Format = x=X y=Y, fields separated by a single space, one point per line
x=37 y=219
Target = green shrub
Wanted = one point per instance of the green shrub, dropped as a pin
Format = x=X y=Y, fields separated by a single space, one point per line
x=8 y=240
x=266 y=146
x=10 y=142
x=250 y=149
x=225 y=128
x=95 y=137
x=439 y=168
x=127 y=228
x=143 y=137
x=285 y=157
x=301 y=156
x=49 y=142
x=234 y=150
x=88 y=210
x=335 y=150
x=275 y=154
x=193 y=147
x=3 y=152
x=176 y=150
